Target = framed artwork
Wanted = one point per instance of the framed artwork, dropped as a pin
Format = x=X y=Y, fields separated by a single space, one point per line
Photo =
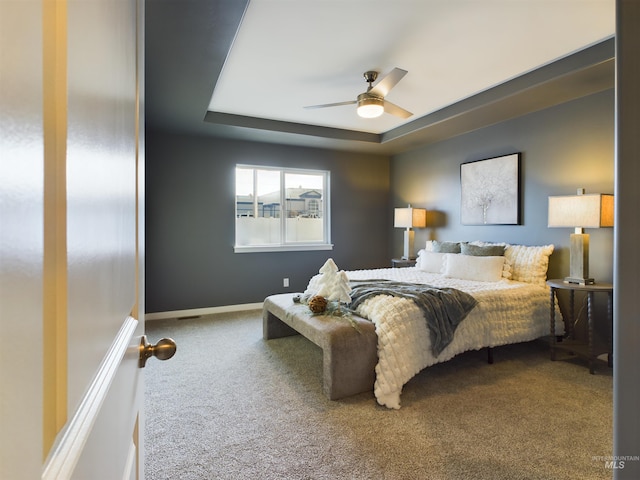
x=490 y=191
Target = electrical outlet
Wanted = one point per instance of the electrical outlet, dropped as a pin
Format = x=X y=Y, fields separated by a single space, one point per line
x=285 y=282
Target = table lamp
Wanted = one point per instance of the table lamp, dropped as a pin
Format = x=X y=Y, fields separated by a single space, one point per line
x=580 y=211
x=409 y=218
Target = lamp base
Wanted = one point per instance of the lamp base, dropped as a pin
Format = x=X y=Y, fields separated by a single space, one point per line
x=579 y=260
x=408 y=244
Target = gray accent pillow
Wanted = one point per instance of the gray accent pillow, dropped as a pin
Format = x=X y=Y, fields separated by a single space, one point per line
x=445 y=247
x=482 y=251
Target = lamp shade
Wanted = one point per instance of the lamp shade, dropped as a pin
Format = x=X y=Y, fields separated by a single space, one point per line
x=410 y=217
x=581 y=211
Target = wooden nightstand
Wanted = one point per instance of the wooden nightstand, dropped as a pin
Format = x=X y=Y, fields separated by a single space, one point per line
x=400 y=263
x=586 y=350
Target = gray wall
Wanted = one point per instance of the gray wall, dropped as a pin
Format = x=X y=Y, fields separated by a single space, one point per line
x=190 y=215
x=563 y=148
x=190 y=202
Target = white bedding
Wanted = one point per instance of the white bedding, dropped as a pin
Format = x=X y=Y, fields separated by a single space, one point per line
x=507 y=312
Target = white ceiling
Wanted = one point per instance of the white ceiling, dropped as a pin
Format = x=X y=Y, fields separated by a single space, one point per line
x=291 y=53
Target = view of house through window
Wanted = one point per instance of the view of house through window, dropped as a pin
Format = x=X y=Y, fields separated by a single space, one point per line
x=281 y=209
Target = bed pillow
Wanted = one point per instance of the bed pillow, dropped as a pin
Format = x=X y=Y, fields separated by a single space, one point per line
x=482 y=250
x=445 y=247
x=529 y=264
x=506 y=269
x=430 y=261
x=470 y=267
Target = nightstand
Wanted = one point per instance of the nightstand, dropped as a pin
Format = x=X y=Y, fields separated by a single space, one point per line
x=586 y=350
x=401 y=263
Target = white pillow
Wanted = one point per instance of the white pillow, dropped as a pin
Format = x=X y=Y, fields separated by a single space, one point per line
x=430 y=261
x=469 y=267
x=529 y=264
x=506 y=269
x=524 y=263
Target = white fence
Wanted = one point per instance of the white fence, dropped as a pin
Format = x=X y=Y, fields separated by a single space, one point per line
x=266 y=231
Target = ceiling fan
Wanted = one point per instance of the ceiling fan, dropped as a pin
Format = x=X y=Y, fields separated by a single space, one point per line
x=372 y=103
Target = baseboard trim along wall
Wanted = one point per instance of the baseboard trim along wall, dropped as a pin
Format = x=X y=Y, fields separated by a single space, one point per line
x=196 y=312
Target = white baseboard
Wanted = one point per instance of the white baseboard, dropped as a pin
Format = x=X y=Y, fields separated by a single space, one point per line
x=196 y=312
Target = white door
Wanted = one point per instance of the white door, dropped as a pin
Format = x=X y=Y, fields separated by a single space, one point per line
x=71 y=248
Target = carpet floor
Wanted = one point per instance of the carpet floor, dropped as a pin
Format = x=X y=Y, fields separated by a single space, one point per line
x=231 y=405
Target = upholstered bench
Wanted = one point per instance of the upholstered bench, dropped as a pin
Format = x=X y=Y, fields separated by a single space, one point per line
x=349 y=355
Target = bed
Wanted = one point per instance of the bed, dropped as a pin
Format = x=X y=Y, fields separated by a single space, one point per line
x=510 y=305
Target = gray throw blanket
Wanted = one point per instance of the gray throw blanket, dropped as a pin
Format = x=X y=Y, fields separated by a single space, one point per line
x=443 y=308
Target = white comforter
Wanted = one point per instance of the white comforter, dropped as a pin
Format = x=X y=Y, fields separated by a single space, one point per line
x=507 y=312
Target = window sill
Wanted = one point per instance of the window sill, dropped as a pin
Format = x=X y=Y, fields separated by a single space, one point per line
x=281 y=248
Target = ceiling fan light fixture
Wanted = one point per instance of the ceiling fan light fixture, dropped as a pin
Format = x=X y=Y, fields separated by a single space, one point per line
x=370 y=106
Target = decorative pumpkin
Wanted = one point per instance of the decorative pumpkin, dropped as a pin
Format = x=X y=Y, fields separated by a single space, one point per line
x=317 y=304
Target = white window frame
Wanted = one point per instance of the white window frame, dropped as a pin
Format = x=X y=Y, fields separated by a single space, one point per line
x=285 y=246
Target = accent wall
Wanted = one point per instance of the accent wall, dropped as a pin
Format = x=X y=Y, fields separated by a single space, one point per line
x=190 y=186
x=563 y=148
x=190 y=202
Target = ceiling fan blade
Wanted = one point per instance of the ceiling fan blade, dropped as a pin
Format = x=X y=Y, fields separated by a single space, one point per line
x=394 y=109
x=387 y=83
x=350 y=102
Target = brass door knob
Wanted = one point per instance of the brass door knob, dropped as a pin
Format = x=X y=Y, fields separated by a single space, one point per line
x=163 y=350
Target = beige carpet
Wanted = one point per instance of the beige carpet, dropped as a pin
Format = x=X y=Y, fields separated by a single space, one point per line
x=230 y=405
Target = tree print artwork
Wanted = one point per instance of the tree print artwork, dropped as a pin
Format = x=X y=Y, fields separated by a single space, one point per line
x=490 y=191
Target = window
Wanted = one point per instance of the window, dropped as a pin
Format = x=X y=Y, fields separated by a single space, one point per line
x=279 y=209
